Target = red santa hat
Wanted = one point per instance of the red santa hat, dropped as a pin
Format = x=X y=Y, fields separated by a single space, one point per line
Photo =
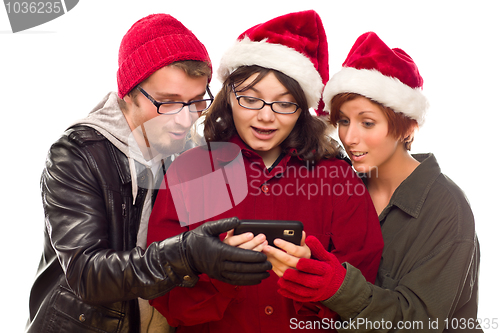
x=387 y=76
x=294 y=44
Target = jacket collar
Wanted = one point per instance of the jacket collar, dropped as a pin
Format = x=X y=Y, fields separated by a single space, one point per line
x=225 y=152
x=232 y=150
x=255 y=158
x=412 y=192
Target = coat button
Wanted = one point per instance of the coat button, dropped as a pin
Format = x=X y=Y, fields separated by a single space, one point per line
x=264 y=188
x=82 y=318
x=269 y=310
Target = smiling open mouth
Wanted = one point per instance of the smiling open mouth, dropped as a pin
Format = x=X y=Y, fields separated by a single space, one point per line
x=262 y=131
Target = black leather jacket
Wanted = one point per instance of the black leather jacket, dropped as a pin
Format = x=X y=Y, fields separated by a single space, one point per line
x=91 y=273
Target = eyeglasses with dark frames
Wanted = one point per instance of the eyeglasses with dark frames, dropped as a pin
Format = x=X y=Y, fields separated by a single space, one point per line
x=170 y=108
x=255 y=103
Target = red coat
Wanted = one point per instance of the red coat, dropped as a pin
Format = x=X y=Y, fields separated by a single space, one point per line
x=329 y=199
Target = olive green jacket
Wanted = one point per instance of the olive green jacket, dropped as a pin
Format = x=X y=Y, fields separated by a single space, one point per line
x=427 y=279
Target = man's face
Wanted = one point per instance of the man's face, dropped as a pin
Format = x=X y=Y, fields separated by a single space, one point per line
x=164 y=134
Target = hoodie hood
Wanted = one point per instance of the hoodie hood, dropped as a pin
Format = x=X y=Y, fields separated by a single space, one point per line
x=108 y=119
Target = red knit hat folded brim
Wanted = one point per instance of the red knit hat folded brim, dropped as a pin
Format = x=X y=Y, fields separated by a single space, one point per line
x=152 y=43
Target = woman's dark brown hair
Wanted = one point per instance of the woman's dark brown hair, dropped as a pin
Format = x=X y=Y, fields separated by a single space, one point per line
x=308 y=139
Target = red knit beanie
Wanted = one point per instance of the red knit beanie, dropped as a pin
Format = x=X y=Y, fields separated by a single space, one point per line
x=151 y=43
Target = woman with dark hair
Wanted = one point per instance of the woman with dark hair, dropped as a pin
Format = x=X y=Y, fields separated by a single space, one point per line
x=306 y=139
x=428 y=276
x=268 y=158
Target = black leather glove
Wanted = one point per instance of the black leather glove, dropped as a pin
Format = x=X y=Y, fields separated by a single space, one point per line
x=207 y=254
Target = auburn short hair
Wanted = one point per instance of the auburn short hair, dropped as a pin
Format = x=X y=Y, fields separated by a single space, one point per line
x=400 y=126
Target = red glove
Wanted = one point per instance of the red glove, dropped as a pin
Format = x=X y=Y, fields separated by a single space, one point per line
x=314 y=279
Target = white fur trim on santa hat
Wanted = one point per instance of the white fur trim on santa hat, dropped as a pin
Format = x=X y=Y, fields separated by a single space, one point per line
x=275 y=56
x=385 y=90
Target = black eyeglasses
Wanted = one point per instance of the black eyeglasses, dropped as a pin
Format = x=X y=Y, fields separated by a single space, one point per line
x=255 y=103
x=198 y=105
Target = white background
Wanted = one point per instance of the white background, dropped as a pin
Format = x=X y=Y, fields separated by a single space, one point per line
x=55 y=73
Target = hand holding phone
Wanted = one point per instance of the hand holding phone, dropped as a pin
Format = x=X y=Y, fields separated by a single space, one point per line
x=285 y=255
x=290 y=231
x=246 y=241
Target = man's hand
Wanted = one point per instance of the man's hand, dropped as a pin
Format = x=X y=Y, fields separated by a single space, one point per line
x=206 y=253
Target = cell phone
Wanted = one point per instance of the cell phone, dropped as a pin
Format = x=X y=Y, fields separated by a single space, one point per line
x=290 y=231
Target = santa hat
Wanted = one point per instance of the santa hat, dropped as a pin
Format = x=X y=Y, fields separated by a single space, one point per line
x=294 y=44
x=153 y=42
x=387 y=76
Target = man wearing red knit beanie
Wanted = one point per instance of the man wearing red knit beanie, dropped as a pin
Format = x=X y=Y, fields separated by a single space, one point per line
x=98 y=186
